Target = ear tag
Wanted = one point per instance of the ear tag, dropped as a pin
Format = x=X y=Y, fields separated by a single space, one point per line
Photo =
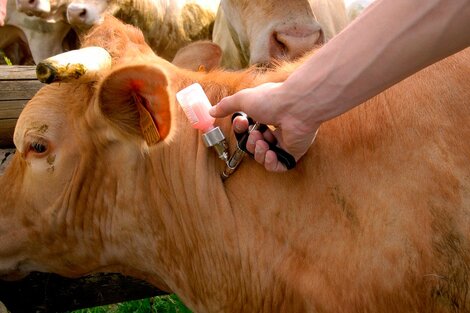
x=148 y=125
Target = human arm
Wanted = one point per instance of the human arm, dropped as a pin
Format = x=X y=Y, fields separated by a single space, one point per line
x=391 y=40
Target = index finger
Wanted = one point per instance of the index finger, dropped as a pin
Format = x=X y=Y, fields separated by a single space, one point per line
x=226 y=106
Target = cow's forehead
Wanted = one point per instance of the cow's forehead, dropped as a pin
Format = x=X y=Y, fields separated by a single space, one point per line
x=52 y=108
x=61 y=98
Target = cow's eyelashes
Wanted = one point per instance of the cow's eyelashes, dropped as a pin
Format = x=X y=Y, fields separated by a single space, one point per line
x=38 y=147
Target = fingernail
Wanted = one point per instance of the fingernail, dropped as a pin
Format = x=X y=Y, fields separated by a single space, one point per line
x=212 y=110
x=269 y=158
x=236 y=128
x=258 y=149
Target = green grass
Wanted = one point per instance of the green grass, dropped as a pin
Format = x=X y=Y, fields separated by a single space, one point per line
x=161 y=304
x=7 y=60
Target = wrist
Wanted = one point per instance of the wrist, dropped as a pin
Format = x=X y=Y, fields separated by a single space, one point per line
x=297 y=107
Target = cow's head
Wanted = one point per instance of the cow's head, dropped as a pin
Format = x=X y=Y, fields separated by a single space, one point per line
x=34 y=7
x=83 y=168
x=84 y=14
x=50 y=10
x=258 y=32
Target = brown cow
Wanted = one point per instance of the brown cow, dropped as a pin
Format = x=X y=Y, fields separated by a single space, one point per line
x=374 y=218
x=14 y=45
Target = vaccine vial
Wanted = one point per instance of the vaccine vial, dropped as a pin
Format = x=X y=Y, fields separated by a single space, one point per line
x=196 y=105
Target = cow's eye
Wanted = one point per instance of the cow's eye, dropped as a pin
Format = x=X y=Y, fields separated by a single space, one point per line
x=38 y=147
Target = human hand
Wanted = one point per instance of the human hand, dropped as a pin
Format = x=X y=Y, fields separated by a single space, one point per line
x=269 y=104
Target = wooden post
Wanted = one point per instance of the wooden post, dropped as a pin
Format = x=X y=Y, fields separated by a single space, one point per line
x=18 y=84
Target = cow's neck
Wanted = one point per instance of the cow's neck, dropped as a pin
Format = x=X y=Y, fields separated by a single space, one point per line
x=199 y=253
x=204 y=243
x=181 y=236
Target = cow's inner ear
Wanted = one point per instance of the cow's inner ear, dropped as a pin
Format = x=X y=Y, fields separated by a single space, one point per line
x=135 y=99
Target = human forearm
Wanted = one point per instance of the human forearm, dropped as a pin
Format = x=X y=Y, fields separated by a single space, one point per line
x=390 y=41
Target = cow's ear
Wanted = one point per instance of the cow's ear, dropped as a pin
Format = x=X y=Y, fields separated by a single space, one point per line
x=199 y=56
x=135 y=99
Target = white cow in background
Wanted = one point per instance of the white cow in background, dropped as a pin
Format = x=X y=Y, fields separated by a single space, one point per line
x=44 y=39
x=50 y=10
x=355 y=7
x=261 y=31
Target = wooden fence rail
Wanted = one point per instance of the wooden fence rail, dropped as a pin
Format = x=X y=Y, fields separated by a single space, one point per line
x=18 y=84
x=50 y=293
x=42 y=292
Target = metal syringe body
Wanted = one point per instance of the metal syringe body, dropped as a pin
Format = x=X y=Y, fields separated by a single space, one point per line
x=196 y=105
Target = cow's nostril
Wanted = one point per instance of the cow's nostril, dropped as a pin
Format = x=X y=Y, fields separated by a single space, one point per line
x=278 y=46
x=83 y=13
x=31 y=2
x=292 y=42
x=77 y=14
